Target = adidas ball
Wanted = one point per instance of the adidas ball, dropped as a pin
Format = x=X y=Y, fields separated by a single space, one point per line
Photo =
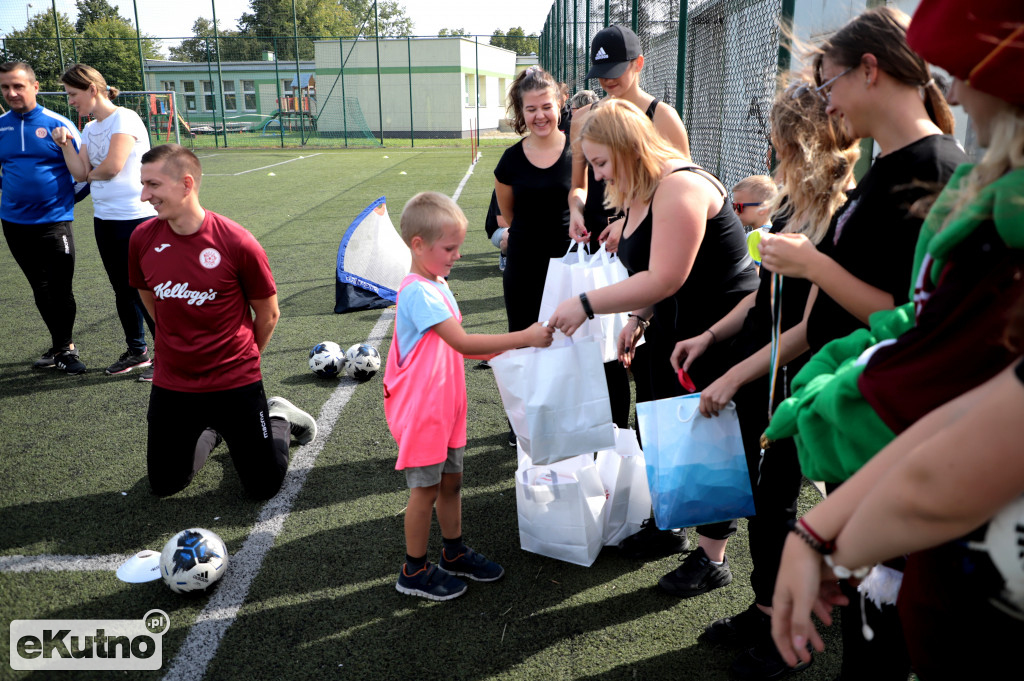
x=363 y=361
x=193 y=560
x=326 y=359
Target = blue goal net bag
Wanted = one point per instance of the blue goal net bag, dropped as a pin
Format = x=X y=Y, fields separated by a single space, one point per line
x=372 y=261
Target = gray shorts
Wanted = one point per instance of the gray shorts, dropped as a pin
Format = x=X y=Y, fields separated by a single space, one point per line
x=428 y=476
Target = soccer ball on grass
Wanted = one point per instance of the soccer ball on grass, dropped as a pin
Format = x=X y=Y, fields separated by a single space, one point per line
x=326 y=359
x=363 y=361
x=193 y=560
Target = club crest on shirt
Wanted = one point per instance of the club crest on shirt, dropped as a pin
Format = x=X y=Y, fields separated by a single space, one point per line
x=209 y=258
x=41 y=133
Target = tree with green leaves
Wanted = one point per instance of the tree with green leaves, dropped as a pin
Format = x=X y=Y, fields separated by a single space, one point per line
x=94 y=10
x=232 y=46
x=36 y=45
x=516 y=40
x=444 y=32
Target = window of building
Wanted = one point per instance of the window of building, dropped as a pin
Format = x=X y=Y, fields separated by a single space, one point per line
x=208 y=104
x=189 y=86
x=249 y=94
x=167 y=85
x=470 y=90
x=482 y=89
x=230 y=104
x=502 y=91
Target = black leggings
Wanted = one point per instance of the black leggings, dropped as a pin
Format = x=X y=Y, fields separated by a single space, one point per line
x=46 y=254
x=181 y=436
x=112 y=238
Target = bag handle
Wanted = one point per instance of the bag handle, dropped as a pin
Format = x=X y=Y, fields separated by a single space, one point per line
x=694 y=399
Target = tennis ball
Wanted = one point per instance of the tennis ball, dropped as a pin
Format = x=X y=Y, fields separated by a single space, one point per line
x=271 y=174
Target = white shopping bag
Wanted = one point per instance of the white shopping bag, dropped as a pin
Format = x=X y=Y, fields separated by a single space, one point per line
x=600 y=270
x=561 y=508
x=558 y=281
x=556 y=399
x=624 y=476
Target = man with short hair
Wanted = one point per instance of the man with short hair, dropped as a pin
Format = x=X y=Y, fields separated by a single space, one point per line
x=37 y=208
x=207 y=282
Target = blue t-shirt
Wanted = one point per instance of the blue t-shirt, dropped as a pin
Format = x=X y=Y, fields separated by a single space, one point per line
x=420 y=306
x=38 y=187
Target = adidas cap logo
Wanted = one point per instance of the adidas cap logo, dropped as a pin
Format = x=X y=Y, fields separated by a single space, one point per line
x=601 y=54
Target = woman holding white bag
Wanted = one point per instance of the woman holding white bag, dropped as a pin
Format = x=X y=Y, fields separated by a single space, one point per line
x=686 y=254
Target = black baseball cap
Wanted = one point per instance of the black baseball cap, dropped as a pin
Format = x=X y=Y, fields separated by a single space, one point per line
x=611 y=51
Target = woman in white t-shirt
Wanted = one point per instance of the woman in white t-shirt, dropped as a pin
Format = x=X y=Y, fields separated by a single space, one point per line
x=110 y=160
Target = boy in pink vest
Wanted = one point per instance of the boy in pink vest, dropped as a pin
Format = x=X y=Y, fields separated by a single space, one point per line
x=425 y=398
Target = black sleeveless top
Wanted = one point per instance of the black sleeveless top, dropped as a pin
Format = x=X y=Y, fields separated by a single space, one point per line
x=595 y=215
x=722 y=269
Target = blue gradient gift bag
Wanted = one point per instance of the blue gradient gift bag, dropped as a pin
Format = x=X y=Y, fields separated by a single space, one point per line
x=696 y=468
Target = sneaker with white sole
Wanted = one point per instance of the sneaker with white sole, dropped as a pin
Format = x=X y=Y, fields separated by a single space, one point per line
x=303 y=426
x=69 y=362
x=431 y=582
x=129 y=360
x=468 y=563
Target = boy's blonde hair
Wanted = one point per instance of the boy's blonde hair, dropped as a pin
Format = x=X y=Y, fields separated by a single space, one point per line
x=427 y=214
x=760 y=187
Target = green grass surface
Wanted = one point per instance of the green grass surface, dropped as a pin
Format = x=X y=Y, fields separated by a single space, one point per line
x=323 y=604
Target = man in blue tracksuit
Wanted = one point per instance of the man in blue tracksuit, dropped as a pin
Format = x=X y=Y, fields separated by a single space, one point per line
x=37 y=207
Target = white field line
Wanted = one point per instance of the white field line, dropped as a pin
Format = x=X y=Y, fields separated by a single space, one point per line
x=50 y=563
x=204 y=637
x=253 y=170
x=465 y=179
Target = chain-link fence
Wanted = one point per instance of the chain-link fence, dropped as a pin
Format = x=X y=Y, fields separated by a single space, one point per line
x=715 y=61
x=271 y=83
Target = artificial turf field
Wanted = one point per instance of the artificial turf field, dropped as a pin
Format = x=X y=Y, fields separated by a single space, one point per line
x=310 y=590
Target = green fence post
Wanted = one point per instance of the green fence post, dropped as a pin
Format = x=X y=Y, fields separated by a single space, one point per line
x=380 y=102
x=412 y=128
x=344 y=104
x=575 y=42
x=56 y=25
x=220 y=75
x=476 y=85
x=636 y=16
x=142 y=69
x=280 y=95
x=608 y=13
x=684 y=12
x=213 y=94
x=586 y=81
x=298 y=76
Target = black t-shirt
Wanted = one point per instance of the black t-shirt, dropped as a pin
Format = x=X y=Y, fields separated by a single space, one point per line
x=491 y=221
x=874 y=235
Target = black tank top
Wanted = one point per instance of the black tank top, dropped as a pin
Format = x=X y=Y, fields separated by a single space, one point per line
x=595 y=215
x=722 y=267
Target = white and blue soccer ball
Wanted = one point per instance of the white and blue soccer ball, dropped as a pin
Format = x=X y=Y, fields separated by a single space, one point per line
x=326 y=359
x=193 y=560
x=363 y=361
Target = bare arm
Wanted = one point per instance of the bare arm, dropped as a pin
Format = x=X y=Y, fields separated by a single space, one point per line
x=266 y=313
x=506 y=200
x=148 y=300
x=667 y=122
x=919 y=491
x=77 y=160
x=485 y=346
x=688 y=350
x=578 y=191
x=121 y=145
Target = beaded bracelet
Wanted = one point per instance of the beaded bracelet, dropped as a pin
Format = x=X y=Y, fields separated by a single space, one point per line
x=811 y=538
x=845 y=572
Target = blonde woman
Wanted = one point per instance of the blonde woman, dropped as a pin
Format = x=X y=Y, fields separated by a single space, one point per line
x=110 y=160
x=686 y=254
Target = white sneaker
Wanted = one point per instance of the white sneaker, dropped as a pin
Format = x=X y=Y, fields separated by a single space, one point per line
x=303 y=426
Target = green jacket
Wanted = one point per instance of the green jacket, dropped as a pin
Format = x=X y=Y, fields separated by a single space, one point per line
x=836 y=431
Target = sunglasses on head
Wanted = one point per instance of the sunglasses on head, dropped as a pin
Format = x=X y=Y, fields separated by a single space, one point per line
x=738 y=207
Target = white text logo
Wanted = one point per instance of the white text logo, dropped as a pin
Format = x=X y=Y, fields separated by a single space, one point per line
x=172 y=290
x=601 y=54
x=89 y=644
x=161 y=247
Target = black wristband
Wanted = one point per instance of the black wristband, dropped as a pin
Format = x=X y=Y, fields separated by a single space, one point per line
x=586 y=306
